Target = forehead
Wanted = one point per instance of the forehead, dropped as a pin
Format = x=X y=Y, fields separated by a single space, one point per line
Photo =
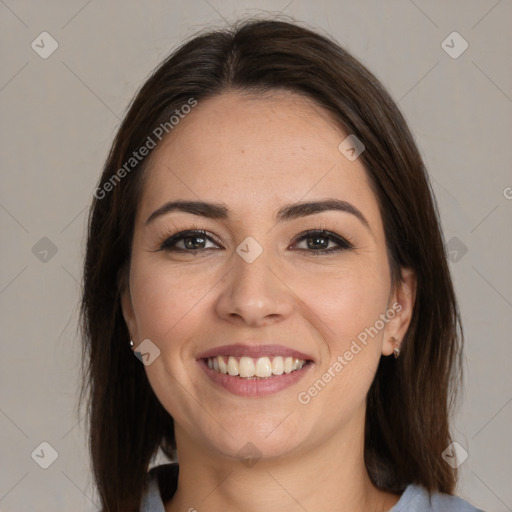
x=256 y=153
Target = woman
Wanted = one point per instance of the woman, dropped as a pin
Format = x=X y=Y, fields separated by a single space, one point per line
x=265 y=239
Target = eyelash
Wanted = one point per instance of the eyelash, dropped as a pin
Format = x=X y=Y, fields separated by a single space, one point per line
x=168 y=244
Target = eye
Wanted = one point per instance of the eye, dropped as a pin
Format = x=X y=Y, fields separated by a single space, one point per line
x=193 y=240
x=318 y=242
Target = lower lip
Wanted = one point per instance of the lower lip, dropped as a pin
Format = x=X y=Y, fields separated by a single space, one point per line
x=255 y=387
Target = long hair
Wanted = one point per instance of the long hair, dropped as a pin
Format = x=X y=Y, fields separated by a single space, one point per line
x=410 y=400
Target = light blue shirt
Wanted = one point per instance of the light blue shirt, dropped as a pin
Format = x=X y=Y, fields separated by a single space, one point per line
x=413 y=499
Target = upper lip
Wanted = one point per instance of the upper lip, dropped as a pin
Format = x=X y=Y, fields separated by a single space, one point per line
x=253 y=350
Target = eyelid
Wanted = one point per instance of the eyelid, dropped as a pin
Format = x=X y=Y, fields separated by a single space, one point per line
x=342 y=242
x=178 y=236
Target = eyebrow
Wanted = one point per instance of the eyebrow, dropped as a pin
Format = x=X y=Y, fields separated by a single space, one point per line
x=286 y=213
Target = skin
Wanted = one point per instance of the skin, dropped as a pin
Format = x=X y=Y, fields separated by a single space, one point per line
x=256 y=154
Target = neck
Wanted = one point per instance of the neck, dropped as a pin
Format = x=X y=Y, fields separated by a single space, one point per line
x=332 y=476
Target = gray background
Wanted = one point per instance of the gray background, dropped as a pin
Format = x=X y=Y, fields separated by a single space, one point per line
x=59 y=116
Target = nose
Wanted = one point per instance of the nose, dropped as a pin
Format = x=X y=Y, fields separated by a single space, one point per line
x=255 y=294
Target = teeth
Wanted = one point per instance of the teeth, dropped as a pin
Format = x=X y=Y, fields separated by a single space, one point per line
x=288 y=364
x=263 y=367
x=247 y=367
x=277 y=365
x=232 y=366
x=223 y=367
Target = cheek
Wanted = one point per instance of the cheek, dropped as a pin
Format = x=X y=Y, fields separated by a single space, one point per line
x=170 y=313
x=163 y=297
x=347 y=302
x=351 y=349
x=349 y=306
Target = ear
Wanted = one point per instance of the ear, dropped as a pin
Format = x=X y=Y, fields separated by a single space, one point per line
x=126 y=305
x=401 y=302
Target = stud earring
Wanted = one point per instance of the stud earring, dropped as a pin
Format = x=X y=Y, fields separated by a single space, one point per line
x=396 y=350
x=131 y=343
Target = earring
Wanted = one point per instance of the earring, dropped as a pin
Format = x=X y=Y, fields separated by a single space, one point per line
x=131 y=343
x=396 y=350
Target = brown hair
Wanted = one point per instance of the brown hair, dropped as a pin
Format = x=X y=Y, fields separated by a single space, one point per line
x=411 y=398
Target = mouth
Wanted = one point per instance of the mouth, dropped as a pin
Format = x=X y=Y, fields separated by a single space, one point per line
x=254 y=370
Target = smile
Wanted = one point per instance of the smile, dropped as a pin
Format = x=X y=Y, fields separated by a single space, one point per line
x=248 y=367
x=254 y=369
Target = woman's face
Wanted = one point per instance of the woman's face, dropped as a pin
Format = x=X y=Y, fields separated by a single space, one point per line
x=254 y=289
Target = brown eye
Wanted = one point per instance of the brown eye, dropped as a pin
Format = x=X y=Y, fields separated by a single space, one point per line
x=319 y=242
x=192 y=241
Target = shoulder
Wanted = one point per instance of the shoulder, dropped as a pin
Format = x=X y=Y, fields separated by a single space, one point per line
x=417 y=499
x=161 y=485
x=162 y=481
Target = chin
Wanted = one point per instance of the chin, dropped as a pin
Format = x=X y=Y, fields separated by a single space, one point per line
x=257 y=436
